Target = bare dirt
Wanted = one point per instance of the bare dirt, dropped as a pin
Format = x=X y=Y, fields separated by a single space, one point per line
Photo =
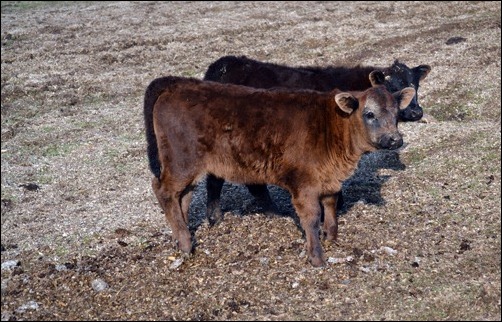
x=83 y=237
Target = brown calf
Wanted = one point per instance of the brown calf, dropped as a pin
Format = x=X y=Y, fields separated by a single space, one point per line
x=304 y=141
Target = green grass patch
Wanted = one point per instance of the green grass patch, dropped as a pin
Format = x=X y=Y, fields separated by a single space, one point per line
x=9 y=39
x=414 y=156
x=7 y=194
x=457 y=103
x=85 y=125
x=57 y=149
x=452 y=112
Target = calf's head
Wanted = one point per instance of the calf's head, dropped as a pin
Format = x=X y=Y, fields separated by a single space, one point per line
x=400 y=76
x=377 y=109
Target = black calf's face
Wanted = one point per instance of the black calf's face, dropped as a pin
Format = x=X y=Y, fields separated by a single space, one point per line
x=380 y=116
x=400 y=76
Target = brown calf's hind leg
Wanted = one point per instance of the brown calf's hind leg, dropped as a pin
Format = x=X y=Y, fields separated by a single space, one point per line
x=170 y=203
x=330 y=225
x=308 y=209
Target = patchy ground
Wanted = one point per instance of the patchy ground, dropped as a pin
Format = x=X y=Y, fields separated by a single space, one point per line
x=83 y=237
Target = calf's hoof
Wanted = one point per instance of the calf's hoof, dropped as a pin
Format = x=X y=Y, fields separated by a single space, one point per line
x=330 y=237
x=185 y=244
x=271 y=210
x=215 y=217
x=317 y=261
x=185 y=248
x=215 y=221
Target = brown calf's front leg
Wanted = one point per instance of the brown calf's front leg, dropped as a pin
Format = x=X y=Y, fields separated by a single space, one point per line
x=330 y=225
x=171 y=205
x=308 y=209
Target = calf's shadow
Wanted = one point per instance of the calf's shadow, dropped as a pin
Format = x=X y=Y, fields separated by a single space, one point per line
x=363 y=186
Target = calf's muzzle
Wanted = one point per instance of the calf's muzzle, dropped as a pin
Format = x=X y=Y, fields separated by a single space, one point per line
x=391 y=141
x=411 y=114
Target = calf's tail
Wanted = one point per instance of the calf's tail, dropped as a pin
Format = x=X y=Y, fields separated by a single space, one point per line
x=152 y=93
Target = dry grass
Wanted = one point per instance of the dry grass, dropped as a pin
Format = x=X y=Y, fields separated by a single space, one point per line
x=76 y=197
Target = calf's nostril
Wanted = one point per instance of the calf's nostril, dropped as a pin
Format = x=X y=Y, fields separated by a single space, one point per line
x=416 y=113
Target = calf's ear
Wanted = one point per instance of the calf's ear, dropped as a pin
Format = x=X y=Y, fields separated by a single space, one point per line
x=422 y=71
x=404 y=96
x=346 y=102
x=377 y=78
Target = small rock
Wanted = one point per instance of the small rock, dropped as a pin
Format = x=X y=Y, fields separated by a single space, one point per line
x=339 y=260
x=6 y=316
x=334 y=260
x=31 y=305
x=177 y=263
x=5 y=285
x=10 y=264
x=388 y=250
x=99 y=285
x=369 y=269
x=295 y=285
x=61 y=267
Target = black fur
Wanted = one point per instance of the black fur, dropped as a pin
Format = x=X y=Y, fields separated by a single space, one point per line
x=152 y=93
